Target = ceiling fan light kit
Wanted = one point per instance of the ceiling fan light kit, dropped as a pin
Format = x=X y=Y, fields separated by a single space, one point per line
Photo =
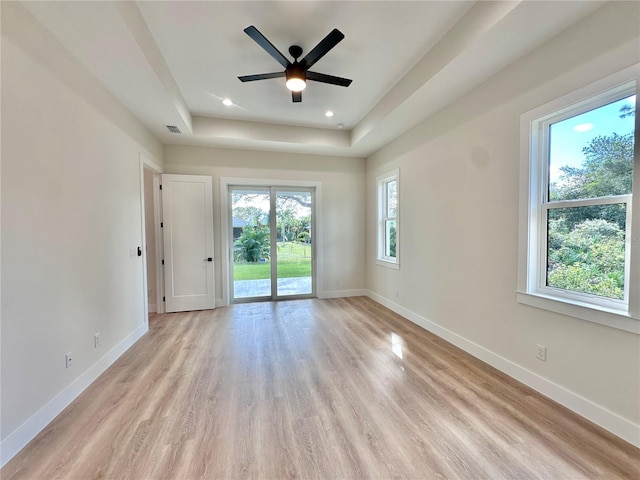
x=297 y=72
x=296 y=78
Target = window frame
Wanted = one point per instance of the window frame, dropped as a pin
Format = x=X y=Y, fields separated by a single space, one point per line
x=534 y=206
x=382 y=181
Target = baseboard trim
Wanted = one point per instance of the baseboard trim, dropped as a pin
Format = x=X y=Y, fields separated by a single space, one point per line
x=15 y=442
x=610 y=421
x=343 y=293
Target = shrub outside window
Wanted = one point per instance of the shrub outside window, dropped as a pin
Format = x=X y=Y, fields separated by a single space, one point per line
x=576 y=207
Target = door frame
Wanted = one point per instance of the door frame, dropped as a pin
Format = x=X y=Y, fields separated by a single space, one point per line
x=273 y=191
x=225 y=217
x=146 y=163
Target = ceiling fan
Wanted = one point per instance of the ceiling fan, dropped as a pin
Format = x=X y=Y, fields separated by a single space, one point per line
x=297 y=73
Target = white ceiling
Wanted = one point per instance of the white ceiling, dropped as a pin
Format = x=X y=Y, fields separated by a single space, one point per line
x=171 y=63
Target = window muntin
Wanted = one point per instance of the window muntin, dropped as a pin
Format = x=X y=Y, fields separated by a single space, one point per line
x=388 y=190
x=546 y=201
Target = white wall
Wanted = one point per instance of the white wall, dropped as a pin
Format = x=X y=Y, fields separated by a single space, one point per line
x=342 y=262
x=459 y=227
x=70 y=215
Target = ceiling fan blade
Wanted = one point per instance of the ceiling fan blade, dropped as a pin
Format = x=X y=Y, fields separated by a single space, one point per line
x=321 y=77
x=261 y=40
x=320 y=50
x=261 y=76
x=296 y=97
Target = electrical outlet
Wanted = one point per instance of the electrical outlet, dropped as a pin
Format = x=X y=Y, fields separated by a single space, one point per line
x=97 y=340
x=541 y=353
x=68 y=360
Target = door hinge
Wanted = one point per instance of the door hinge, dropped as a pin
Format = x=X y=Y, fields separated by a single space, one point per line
x=163 y=299
x=161 y=224
x=160 y=187
x=163 y=261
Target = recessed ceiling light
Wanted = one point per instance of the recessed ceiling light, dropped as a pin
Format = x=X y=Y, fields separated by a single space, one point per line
x=340 y=126
x=227 y=102
x=328 y=113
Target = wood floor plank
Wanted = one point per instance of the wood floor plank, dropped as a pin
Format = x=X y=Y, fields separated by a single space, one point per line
x=340 y=388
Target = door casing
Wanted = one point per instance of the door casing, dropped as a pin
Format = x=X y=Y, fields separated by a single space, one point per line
x=273 y=191
x=151 y=166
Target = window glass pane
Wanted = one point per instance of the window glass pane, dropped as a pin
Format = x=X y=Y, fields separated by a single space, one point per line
x=591 y=154
x=586 y=249
x=392 y=198
x=390 y=238
x=294 y=250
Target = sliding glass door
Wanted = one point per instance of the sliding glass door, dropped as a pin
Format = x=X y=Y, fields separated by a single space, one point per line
x=273 y=251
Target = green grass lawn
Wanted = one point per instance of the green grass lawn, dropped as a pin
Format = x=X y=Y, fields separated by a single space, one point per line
x=294 y=260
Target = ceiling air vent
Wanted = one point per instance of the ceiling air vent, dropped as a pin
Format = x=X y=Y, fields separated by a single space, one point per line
x=173 y=128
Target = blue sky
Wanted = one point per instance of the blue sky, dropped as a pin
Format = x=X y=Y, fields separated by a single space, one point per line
x=569 y=136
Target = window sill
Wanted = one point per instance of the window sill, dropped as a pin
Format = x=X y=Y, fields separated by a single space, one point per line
x=591 y=313
x=388 y=264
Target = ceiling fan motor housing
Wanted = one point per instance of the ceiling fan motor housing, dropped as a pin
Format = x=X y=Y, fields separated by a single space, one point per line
x=295 y=70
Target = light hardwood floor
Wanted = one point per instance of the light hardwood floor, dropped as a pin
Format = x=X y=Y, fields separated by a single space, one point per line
x=307 y=389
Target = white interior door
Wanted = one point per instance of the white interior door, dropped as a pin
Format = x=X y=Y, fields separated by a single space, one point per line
x=187 y=211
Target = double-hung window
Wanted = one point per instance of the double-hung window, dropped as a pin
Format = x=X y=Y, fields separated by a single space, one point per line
x=577 y=190
x=388 y=225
